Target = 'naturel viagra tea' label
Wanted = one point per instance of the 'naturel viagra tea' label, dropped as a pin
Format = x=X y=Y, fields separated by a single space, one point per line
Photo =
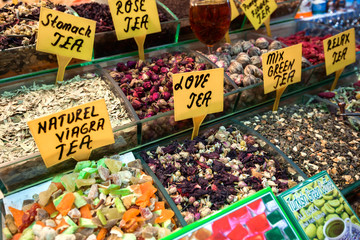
x=320 y=211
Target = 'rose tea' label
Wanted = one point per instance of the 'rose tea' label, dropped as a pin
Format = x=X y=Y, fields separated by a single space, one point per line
x=133 y=18
x=339 y=51
x=282 y=68
x=72 y=133
x=198 y=93
x=257 y=11
x=65 y=35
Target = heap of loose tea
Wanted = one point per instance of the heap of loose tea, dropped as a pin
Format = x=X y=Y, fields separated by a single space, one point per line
x=216 y=169
x=27 y=103
x=348 y=95
x=148 y=85
x=314 y=139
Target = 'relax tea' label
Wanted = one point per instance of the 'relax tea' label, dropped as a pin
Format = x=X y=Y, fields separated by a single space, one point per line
x=339 y=51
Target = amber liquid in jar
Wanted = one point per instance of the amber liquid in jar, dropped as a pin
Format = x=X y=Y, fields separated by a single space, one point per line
x=210 y=21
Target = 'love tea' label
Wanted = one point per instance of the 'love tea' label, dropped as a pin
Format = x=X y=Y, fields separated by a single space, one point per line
x=198 y=93
x=257 y=11
x=65 y=35
x=339 y=51
x=134 y=18
x=282 y=68
x=72 y=133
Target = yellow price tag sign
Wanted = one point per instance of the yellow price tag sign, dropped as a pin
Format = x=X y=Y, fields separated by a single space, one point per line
x=339 y=51
x=72 y=133
x=234 y=11
x=280 y=69
x=257 y=11
x=133 y=18
x=197 y=94
x=65 y=35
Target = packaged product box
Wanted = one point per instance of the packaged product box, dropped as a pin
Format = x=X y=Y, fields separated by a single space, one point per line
x=258 y=216
x=319 y=210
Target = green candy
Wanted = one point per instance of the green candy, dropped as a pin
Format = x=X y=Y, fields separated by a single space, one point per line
x=340 y=209
x=330 y=216
x=319 y=233
x=334 y=203
x=328 y=208
x=319 y=203
x=348 y=209
x=344 y=215
x=326 y=197
x=335 y=194
x=311 y=231
x=354 y=219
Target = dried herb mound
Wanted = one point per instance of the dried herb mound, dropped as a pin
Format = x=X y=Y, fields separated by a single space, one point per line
x=314 y=139
x=349 y=95
x=214 y=170
x=148 y=85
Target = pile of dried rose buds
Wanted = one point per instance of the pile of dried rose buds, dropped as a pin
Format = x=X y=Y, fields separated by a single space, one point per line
x=214 y=170
x=148 y=85
x=312 y=46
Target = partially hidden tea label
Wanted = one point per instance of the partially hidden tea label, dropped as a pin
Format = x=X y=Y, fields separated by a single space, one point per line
x=257 y=11
x=281 y=68
x=134 y=18
x=72 y=133
x=339 y=51
x=66 y=35
x=234 y=10
x=198 y=93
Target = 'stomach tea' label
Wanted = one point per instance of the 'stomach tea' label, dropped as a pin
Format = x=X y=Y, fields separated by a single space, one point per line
x=257 y=11
x=65 y=35
x=339 y=51
x=198 y=93
x=315 y=203
x=282 y=68
x=134 y=18
x=72 y=133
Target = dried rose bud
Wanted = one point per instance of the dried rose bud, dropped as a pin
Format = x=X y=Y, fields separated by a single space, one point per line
x=191 y=200
x=136 y=104
x=131 y=64
x=197 y=216
x=147 y=86
x=166 y=95
x=261 y=43
x=154 y=89
x=121 y=67
x=162 y=103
